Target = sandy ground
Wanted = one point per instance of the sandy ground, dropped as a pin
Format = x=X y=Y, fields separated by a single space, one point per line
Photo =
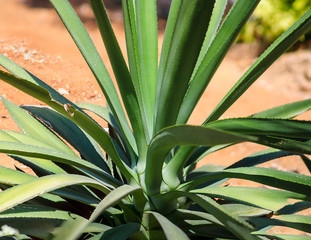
x=36 y=39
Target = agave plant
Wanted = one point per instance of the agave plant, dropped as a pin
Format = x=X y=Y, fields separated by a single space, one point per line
x=138 y=179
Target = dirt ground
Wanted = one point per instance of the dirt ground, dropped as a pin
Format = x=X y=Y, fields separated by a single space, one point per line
x=36 y=39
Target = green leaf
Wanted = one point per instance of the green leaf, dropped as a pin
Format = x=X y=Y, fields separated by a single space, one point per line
x=31 y=189
x=65 y=128
x=73 y=229
x=187 y=28
x=121 y=232
x=30 y=126
x=36 y=228
x=281 y=112
x=12 y=177
x=16 y=137
x=170 y=137
x=106 y=114
x=286 y=144
x=92 y=57
x=102 y=112
x=122 y=74
x=113 y=198
x=277 y=133
x=286 y=111
x=171 y=231
x=261 y=157
x=216 y=19
x=260 y=197
x=65 y=230
x=140 y=23
x=287 y=39
x=29 y=211
x=234 y=224
x=265 y=127
x=298 y=222
x=243 y=210
x=24 y=74
x=229 y=30
x=57 y=156
x=289 y=181
x=74 y=114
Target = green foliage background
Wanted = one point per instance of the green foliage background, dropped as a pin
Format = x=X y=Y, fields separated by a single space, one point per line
x=273 y=17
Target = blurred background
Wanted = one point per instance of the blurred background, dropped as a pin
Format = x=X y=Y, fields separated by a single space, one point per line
x=270 y=19
x=163 y=5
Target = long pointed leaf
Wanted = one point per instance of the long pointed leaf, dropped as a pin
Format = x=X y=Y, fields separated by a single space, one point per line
x=142 y=43
x=74 y=114
x=234 y=224
x=286 y=111
x=290 y=181
x=31 y=189
x=30 y=126
x=12 y=177
x=260 y=197
x=265 y=127
x=170 y=229
x=73 y=229
x=216 y=18
x=287 y=39
x=71 y=133
x=225 y=37
x=92 y=57
x=45 y=153
x=17 y=137
x=122 y=74
x=189 y=30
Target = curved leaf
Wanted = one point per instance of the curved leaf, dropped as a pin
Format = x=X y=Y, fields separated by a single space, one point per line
x=24 y=74
x=46 y=166
x=57 y=156
x=290 y=181
x=30 y=126
x=171 y=231
x=74 y=114
x=265 y=127
x=234 y=224
x=286 y=111
x=31 y=189
x=12 y=177
x=86 y=146
x=102 y=112
x=260 y=197
x=170 y=137
x=73 y=229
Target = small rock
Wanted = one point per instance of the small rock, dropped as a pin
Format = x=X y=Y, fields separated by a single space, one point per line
x=63 y=91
